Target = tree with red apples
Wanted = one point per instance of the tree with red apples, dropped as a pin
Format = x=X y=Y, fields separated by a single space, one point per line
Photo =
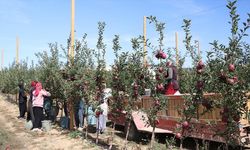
x=118 y=83
x=196 y=82
x=225 y=63
x=100 y=74
x=156 y=84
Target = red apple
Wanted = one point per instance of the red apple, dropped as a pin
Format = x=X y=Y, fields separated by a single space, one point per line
x=199 y=71
x=136 y=86
x=178 y=125
x=160 y=69
x=166 y=75
x=157 y=55
x=160 y=87
x=231 y=67
x=199 y=85
x=200 y=65
x=236 y=118
x=157 y=77
x=224 y=118
x=135 y=93
x=161 y=53
x=178 y=135
x=185 y=124
x=141 y=76
x=163 y=56
x=168 y=64
x=235 y=79
x=157 y=103
x=222 y=75
x=230 y=81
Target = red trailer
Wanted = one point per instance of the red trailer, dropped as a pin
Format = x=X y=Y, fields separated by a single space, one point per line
x=168 y=119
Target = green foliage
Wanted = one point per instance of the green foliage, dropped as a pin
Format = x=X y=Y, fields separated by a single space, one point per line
x=12 y=76
x=228 y=81
x=49 y=71
x=100 y=75
x=75 y=134
x=120 y=76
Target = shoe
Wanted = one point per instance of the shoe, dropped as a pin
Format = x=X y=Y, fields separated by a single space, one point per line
x=35 y=129
x=80 y=129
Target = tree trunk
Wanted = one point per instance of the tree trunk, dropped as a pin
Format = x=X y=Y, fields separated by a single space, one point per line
x=97 y=131
x=197 y=144
x=126 y=140
x=71 y=114
x=87 y=123
x=181 y=144
x=112 y=136
x=152 y=138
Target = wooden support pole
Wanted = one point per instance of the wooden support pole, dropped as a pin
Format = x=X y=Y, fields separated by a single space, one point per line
x=71 y=61
x=145 y=40
x=72 y=41
x=17 y=50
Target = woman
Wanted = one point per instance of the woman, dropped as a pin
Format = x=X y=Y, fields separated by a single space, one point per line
x=30 y=115
x=22 y=99
x=103 y=116
x=38 y=100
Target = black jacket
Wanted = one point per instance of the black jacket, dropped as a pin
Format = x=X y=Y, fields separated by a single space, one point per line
x=22 y=97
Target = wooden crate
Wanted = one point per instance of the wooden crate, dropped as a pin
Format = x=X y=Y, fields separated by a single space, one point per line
x=244 y=118
x=175 y=104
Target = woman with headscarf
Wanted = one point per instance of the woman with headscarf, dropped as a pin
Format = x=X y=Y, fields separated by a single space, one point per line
x=30 y=115
x=38 y=100
x=103 y=117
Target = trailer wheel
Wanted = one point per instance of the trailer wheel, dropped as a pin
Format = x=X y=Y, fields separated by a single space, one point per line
x=133 y=132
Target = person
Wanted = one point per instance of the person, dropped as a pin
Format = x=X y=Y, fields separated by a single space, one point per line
x=38 y=100
x=104 y=107
x=81 y=113
x=91 y=116
x=30 y=114
x=171 y=86
x=22 y=99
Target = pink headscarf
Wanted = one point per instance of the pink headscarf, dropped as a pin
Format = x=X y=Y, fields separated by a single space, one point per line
x=38 y=88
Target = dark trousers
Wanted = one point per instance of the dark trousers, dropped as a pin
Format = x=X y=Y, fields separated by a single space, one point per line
x=22 y=109
x=30 y=114
x=38 y=114
x=77 y=121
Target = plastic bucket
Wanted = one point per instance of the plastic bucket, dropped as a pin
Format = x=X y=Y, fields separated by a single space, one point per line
x=46 y=125
x=147 y=92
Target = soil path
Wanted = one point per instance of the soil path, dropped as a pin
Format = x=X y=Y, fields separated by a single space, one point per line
x=14 y=134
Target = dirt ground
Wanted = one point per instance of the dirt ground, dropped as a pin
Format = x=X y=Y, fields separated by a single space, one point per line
x=14 y=135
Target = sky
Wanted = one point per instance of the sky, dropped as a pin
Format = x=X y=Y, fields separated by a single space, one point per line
x=39 y=22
